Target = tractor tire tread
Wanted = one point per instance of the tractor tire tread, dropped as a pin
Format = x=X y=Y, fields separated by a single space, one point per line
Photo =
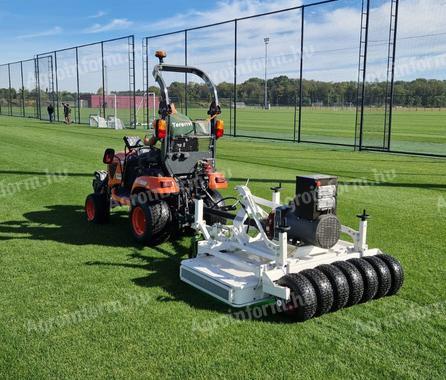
x=158 y=217
x=369 y=276
x=354 y=280
x=102 y=207
x=324 y=290
x=339 y=283
x=396 y=273
x=384 y=276
x=303 y=296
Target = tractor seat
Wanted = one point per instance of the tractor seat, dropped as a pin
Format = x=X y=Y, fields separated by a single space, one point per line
x=149 y=156
x=120 y=156
x=137 y=163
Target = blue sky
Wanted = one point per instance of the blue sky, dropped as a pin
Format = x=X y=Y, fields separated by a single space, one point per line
x=28 y=27
x=331 y=38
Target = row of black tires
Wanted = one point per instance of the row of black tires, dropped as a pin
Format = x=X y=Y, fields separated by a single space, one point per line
x=331 y=287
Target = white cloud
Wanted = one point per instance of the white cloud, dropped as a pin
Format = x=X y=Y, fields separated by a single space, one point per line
x=331 y=40
x=224 y=10
x=98 y=14
x=115 y=24
x=50 y=32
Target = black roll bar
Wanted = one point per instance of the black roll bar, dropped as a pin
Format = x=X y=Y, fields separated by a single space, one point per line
x=186 y=70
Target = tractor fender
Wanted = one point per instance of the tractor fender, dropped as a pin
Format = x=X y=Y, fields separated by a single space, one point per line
x=217 y=181
x=156 y=185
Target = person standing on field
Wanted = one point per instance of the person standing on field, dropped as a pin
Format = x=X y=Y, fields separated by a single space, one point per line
x=50 y=110
x=67 y=113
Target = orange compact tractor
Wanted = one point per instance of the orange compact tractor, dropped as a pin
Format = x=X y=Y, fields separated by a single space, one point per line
x=159 y=183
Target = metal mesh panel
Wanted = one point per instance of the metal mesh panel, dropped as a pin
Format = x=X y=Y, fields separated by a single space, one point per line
x=4 y=91
x=91 y=90
x=330 y=72
x=212 y=50
x=30 y=88
x=15 y=70
x=175 y=46
x=119 y=96
x=45 y=76
x=420 y=87
x=375 y=127
x=66 y=83
x=268 y=68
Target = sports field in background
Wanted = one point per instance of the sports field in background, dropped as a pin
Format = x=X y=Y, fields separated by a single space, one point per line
x=84 y=301
x=418 y=131
x=421 y=131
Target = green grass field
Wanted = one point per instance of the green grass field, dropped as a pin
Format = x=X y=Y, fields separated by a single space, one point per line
x=417 y=131
x=413 y=131
x=83 y=301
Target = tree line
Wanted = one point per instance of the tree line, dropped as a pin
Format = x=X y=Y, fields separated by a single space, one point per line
x=284 y=91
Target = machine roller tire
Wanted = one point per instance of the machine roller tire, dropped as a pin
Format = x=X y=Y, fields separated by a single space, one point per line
x=396 y=273
x=324 y=290
x=384 y=277
x=354 y=280
x=303 y=304
x=339 y=283
x=369 y=276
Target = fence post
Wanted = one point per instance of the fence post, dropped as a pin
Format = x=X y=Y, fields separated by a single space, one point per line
x=39 y=92
x=51 y=86
x=57 y=85
x=23 y=89
x=364 y=77
x=230 y=117
x=185 y=74
x=133 y=73
x=78 y=99
x=235 y=78
x=301 y=86
x=10 y=91
x=392 y=81
x=103 y=79
x=146 y=85
x=36 y=77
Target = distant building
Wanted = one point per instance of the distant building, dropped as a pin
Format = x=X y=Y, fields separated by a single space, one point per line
x=122 y=101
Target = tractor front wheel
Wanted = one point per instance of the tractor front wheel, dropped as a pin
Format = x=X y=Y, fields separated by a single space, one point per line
x=97 y=208
x=150 y=221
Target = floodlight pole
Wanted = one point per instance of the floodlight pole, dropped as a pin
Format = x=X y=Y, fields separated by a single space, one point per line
x=266 y=40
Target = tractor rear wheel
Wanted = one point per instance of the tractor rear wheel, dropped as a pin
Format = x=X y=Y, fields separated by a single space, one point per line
x=97 y=208
x=303 y=304
x=324 y=290
x=339 y=284
x=354 y=279
x=150 y=221
x=384 y=277
x=396 y=273
x=369 y=277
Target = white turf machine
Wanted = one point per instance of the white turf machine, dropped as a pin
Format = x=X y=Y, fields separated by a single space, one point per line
x=291 y=254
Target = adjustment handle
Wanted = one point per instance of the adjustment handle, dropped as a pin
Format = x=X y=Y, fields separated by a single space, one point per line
x=364 y=216
x=276 y=189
